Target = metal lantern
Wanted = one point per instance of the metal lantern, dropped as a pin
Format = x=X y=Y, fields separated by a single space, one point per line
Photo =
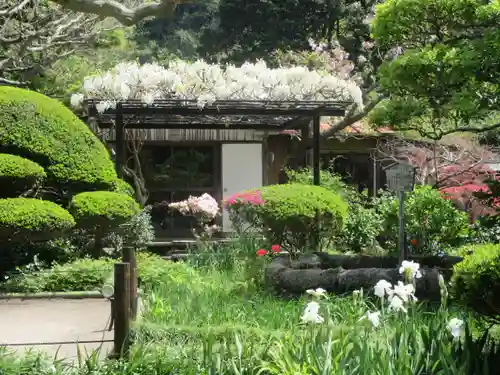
x=401 y=178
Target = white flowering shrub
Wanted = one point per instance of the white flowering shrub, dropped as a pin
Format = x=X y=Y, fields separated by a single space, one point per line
x=207 y=83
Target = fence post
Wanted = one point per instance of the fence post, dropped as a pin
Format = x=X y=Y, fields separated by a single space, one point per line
x=122 y=310
x=128 y=256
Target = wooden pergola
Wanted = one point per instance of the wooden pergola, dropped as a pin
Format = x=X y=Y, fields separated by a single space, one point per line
x=222 y=114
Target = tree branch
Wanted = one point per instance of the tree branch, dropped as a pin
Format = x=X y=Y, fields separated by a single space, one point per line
x=115 y=9
x=351 y=118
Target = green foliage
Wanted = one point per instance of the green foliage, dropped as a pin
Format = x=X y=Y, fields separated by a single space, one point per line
x=102 y=209
x=90 y=274
x=290 y=213
x=18 y=174
x=34 y=219
x=476 y=280
x=79 y=275
x=362 y=224
x=329 y=181
x=361 y=229
x=445 y=80
x=45 y=131
x=433 y=222
x=123 y=187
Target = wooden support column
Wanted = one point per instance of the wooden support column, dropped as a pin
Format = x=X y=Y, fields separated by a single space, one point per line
x=120 y=141
x=316 y=150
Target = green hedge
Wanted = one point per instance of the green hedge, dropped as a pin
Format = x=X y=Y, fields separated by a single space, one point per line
x=476 y=280
x=44 y=130
x=22 y=218
x=18 y=174
x=102 y=209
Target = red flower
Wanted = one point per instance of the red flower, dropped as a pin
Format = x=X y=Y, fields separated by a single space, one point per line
x=261 y=252
x=276 y=248
x=414 y=242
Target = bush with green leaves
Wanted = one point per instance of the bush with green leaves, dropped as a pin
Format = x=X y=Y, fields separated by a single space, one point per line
x=18 y=175
x=101 y=213
x=476 y=280
x=432 y=223
x=102 y=210
x=363 y=223
x=42 y=129
x=90 y=274
x=22 y=218
x=47 y=152
x=297 y=216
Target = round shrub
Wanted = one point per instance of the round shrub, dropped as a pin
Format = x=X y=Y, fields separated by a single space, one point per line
x=295 y=215
x=102 y=210
x=33 y=219
x=476 y=280
x=42 y=129
x=18 y=174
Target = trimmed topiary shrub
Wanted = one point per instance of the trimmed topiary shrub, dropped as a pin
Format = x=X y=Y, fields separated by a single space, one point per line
x=42 y=129
x=289 y=214
x=100 y=213
x=18 y=175
x=33 y=219
x=476 y=280
x=103 y=209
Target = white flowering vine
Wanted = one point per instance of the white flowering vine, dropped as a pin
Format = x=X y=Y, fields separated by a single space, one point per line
x=207 y=83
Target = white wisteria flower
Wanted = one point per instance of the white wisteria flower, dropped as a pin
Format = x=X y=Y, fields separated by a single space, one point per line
x=455 y=326
x=382 y=288
x=410 y=268
x=318 y=292
x=207 y=83
x=311 y=313
x=373 y=317
x=397 y=304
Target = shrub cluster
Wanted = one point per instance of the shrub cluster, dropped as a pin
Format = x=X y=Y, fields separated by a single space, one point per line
x=47 y=152
x=476 y=280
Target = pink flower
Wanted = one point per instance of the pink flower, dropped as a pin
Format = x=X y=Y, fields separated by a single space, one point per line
x=261 y=252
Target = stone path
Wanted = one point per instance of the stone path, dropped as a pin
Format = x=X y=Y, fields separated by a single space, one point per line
x=55 y=320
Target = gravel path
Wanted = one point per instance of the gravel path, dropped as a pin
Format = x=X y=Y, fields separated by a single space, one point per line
x=55 y=320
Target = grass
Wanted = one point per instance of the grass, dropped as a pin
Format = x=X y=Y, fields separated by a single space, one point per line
x=208 y=316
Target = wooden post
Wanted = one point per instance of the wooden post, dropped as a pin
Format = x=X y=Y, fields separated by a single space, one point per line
x=128 y=256
x=316 y=150
x=122 y=310
x=120 y=141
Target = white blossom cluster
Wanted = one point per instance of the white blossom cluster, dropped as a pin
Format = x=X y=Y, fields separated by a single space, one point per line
x=207 y=83
x=203 y=207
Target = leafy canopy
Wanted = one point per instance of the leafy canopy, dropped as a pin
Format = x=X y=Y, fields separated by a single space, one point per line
x=446 y=78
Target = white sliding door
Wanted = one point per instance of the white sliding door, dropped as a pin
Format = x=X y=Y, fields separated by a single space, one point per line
x=241 y=170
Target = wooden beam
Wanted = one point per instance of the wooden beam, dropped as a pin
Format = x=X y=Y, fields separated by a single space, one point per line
x=120 y=145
